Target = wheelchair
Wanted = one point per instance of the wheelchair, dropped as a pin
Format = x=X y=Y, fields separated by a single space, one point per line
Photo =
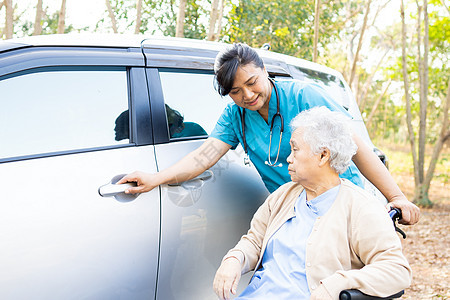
x=395 y=215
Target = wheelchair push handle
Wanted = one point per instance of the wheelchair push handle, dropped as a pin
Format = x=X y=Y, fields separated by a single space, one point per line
x=396 y=215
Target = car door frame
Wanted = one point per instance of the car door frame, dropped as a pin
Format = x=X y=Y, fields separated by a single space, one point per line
x=141 y=132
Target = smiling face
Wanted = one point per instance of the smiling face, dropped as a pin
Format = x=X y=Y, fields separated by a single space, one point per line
x=251 y=88
x=303 y=163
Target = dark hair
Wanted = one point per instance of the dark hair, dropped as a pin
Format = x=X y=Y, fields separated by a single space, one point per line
x=227 y=62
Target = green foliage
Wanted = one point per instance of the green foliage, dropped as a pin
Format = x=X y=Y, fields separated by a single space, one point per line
x=159 y=16
x=49 y=26
x=288 y=25
x=122 y=10
x=439 y=32
x=438 y=75
x=194 y=27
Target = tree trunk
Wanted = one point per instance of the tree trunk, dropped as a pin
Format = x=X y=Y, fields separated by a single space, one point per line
x=316 y=29
x=361 y=98
x=443 y=137
x=421 y=90
x=355 y=59
x=219 y=25
x=111 y=16
x=179 y=32
x=412 y=139
x=375 y=106
x=446 y=6
x=213 y=19
x=421 y=196
x=38 y=19
x=62 y=18
x=9 y=19
x=138 y=16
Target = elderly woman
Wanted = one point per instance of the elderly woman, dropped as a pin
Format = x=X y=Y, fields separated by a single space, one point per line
x=318 y=234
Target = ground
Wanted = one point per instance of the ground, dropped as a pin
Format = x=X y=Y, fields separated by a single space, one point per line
x=427 y=246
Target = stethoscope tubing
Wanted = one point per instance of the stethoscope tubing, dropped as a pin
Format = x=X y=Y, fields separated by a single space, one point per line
x=277 y=114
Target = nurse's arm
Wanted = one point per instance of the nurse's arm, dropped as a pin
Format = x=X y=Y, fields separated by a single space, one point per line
x=374 y=170
x=190 y=166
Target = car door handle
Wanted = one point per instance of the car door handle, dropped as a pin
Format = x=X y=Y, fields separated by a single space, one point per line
x=208 y=174
x=111 y=190
x=117 y=191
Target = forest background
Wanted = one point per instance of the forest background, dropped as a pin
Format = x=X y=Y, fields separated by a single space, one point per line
x=393 y=53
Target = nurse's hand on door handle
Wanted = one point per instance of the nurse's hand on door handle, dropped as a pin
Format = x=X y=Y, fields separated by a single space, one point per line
x=118 y=191
x=143 y=182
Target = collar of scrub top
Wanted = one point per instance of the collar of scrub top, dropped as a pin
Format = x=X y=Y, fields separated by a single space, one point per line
x=277 y=114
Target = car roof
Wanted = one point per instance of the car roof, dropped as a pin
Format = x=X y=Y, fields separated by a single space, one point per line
x=148 y=42
x=107 y=40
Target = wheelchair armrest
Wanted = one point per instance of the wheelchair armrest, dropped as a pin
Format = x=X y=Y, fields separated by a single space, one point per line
x=357 y=295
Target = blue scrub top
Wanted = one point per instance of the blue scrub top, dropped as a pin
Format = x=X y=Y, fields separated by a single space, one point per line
x=295 y=96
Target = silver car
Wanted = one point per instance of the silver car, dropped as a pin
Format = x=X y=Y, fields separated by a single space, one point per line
x=78 y=112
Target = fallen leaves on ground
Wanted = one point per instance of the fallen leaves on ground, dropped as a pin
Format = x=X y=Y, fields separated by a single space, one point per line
x=427 y=246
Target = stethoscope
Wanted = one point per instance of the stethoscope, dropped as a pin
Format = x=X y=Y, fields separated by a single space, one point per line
x=278 y=114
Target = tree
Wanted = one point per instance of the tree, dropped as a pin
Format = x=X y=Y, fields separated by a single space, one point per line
x=180 y=18
x=316 y=29
x=356 y=57
x=375 y=106
x=220 y=18
x=38 y=18
x=9 y=18
x=62 y=17
x=361 y=97
x=213 y=17
x=138 y=16
x=286 y=24
x=111 y=16
x=422 y=179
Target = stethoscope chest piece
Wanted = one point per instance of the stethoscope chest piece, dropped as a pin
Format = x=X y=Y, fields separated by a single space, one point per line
x=247 y=161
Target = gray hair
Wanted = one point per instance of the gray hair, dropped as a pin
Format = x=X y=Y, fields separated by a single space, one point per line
x=322 y=129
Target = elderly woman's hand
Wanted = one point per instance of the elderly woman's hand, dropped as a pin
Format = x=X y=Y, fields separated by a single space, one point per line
x=227 y=278
x=320 y=294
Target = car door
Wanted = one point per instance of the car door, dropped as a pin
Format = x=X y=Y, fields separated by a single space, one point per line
x=204 y=217
x=65 y=132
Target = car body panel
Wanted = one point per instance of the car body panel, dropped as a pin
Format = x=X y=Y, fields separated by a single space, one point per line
x=201 y=220
x=61 y=240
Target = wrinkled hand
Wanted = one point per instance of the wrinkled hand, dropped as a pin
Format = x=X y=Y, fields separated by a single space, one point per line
x=320 y=294
x=145 y=182
x=410 y=212
x=227 y=278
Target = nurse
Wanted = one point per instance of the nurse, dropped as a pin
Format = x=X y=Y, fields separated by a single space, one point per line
x=256 y=120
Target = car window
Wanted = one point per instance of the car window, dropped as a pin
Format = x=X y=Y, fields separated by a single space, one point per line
x=59 y=109
x=193 y=106
x=333 y=85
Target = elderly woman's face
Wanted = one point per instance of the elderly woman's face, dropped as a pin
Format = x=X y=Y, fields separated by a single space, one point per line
x=303 y=163
x=251 y=87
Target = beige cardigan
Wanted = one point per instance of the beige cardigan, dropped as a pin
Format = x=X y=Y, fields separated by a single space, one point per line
x=353 y=246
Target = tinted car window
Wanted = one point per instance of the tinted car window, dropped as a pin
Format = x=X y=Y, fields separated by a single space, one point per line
x=333 y=85
x=50 y=110
x=192 y=104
